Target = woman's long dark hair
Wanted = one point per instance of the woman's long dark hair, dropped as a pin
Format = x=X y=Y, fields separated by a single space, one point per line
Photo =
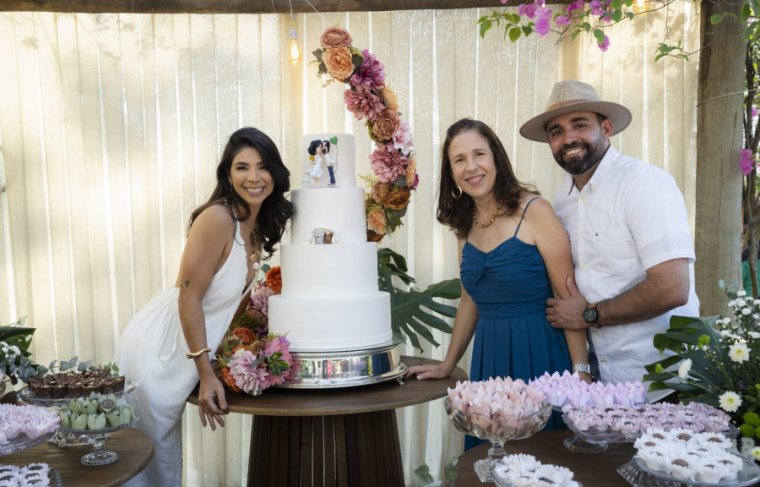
x=275 y=210
x=457 y=213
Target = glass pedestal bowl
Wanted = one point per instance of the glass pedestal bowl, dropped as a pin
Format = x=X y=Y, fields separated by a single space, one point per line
x=498 y=429
x=97 y=439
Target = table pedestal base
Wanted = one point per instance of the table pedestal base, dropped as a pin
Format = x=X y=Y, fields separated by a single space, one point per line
x=326 y=451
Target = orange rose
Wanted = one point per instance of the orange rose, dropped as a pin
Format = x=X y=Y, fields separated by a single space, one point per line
x=274 y=279
x=339 y=63
x=379 y=191
x=335 y=37
x=385 y=124
x=391 y=101
x=245 y=335
x=228 y=380
x=397 y=200
x=411 y=171
x=376 y=221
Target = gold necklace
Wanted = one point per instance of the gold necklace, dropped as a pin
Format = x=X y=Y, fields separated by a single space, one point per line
x=490 y=221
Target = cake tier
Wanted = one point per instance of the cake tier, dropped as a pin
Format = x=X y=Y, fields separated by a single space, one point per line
x=320 y=151
x=340 y=210
x=337 y=323
x=323 y=271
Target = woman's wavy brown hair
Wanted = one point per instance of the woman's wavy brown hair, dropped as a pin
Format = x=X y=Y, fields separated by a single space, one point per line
x=457 y=213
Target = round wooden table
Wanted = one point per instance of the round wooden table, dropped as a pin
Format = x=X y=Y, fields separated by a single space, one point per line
x=591 y=469
x=134 y=448
x=332 y=437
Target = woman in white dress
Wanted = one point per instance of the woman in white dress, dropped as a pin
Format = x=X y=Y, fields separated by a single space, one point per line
x=167 y=345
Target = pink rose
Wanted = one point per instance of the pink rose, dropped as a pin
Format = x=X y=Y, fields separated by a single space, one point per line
x=335 y=37
x=402 y=139
x=363 y=103
x=387 y=165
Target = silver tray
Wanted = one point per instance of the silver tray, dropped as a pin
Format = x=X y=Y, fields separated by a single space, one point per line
x=348 y=368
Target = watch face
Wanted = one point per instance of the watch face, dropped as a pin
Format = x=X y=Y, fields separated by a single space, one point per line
x=590 y=315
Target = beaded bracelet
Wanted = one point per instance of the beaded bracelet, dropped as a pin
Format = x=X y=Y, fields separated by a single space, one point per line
x=198 y=353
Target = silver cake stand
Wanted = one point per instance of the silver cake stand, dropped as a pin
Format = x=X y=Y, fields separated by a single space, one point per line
x=348 y=368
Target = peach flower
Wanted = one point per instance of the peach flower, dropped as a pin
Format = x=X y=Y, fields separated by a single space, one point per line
x=339 y=63
x=335 y=37
x=391 y=101
x=228 y=380
x=379 y=192
x=376 y=221
x=411 y=174
x=385 y=124
x=397 y=200
x=274 y=279
x=245 y=335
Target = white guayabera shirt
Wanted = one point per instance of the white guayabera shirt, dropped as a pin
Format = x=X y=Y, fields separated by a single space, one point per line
x=629 y=217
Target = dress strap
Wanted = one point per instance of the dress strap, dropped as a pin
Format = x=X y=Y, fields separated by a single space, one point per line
x=522 y=217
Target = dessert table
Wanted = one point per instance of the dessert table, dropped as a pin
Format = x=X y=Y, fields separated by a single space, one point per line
x=134 y=448
x=332 y=437
x=591 y=469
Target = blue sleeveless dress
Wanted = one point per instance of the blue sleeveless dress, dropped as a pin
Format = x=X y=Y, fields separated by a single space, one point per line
x=510 y=287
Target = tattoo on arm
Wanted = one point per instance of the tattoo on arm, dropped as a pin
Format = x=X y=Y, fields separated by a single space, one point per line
x=186 y=284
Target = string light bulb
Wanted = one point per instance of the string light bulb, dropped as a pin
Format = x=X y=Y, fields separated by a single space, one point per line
x=294 y=52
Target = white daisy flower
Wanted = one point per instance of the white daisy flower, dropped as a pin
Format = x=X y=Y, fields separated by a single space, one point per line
x=747 y=311
x=738 y=352
x=730 y=401
x=756 y=453
x=741 y=293
x=754 y=334
x=684 y=368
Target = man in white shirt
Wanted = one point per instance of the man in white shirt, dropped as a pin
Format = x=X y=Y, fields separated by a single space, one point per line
x=632 y=247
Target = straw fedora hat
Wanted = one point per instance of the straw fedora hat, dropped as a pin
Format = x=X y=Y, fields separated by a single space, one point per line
x=574 y=96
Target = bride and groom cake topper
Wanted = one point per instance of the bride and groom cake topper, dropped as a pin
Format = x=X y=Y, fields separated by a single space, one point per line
x=322 y=167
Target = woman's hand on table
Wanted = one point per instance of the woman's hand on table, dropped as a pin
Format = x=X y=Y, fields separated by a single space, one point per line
x=428 y=371
x=212 y=404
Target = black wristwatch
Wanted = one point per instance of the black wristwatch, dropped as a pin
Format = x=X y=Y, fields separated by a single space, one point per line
x=591 y=315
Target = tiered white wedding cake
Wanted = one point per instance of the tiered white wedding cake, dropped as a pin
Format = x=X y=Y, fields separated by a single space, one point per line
x=330 y=299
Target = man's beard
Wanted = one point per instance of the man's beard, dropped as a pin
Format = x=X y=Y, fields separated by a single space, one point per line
x=577 y=166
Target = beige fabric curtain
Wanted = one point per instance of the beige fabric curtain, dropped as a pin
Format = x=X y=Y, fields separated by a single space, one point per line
x=111 y=127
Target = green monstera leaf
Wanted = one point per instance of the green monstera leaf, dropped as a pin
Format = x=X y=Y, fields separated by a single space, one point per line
x=414 y=312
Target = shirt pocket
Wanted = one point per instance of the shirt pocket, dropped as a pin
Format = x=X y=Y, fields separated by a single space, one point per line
x=614 y=252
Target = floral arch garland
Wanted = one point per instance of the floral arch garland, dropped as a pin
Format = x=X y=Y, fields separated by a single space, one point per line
x=368 y=98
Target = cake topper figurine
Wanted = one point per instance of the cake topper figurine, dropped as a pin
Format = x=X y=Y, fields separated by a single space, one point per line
x=321 y=159
x=323 y=236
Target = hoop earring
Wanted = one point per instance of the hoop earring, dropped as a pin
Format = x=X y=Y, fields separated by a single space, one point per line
x=456 y=195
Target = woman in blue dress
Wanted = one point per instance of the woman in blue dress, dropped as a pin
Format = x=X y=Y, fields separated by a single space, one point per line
x=514 y=255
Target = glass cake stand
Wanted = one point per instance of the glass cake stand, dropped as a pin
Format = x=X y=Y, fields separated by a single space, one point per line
x=498 y=431
x=21 y=443
x=26 y=395
x=97 y=438
x=593 y=441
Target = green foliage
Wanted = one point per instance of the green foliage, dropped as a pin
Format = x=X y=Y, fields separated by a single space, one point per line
x=15 y=364
x=422 y=476
x=413 y=311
